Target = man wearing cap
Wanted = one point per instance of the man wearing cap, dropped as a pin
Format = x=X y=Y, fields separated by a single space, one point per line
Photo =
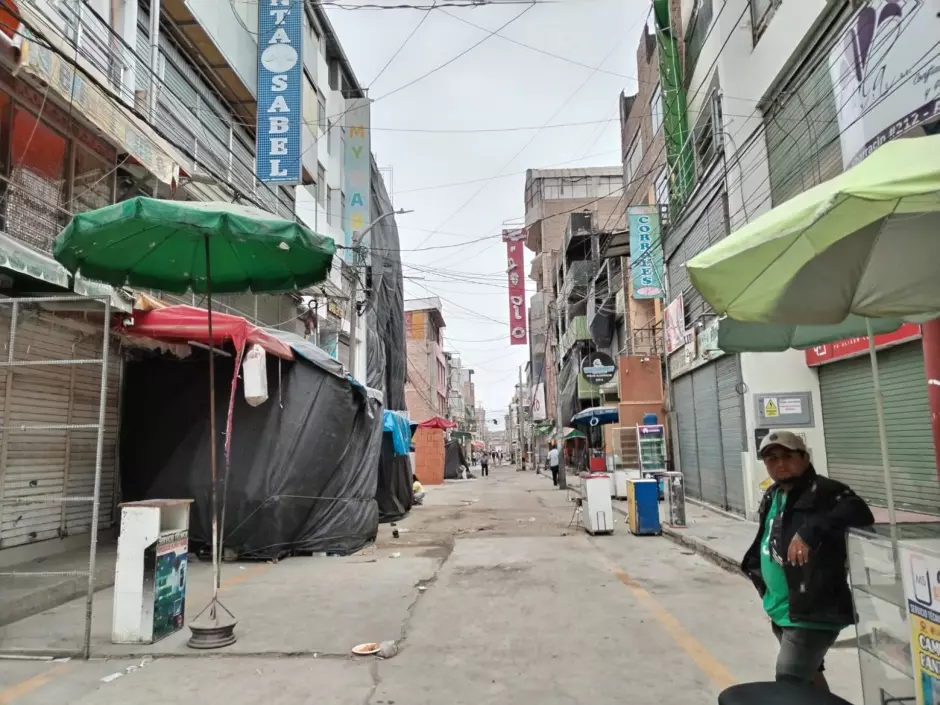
x=798 y=558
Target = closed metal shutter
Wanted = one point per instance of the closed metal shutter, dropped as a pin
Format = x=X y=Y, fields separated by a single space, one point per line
x=684 y=401
x=53 y=463
x=708 y=434
x=731 y=415
x=851 y=428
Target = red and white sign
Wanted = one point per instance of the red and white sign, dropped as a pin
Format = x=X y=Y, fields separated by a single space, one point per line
x=853 y=347
x=514 y=239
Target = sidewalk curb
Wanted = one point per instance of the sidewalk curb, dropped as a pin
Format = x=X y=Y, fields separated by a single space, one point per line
x=679 y=537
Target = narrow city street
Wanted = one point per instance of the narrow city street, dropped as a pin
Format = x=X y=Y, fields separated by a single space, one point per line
x=491 y=596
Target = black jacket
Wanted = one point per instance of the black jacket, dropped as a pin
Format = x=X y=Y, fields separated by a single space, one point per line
x=819 y=510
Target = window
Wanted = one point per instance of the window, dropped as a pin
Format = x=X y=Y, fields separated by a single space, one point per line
x=321 y=185
x=656 y=109
x=321 y=112
x=698 y=32
x=329 y=137
x=329 y=205
x=661 y=188
x=761 y=13
x=334 y=75
x=342 y=209
x=708 y=134
x=634 y=158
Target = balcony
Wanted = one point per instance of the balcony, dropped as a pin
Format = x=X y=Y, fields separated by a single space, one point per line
x=580 y=226
x=577 y=331
x=577 y=278
x=598 y=393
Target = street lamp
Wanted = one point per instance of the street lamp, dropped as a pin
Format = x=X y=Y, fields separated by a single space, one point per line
x=354 y=291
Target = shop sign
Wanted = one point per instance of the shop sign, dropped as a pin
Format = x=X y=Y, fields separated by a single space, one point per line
x=598 y=368
x=700 y=347
x=280 y=91
x=853 y=347
x=514 y=239
x=335 y=309
x=538 y=402
x=885 y=71
x=646 y=252
x=921 y=577
x=357 y=171
x=674 y=325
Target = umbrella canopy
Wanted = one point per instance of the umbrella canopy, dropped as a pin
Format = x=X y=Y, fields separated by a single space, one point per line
x=737 y=336
x=157 y=244
x=437 y=422
x=572 y=434
x=602 y=414
x=864 y=242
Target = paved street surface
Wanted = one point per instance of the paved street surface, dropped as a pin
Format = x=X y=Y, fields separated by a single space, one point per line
x=492 y=597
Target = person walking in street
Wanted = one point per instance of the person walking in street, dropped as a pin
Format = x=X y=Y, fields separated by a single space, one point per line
x=797 y=561
x=484 y=465
x=553 y=461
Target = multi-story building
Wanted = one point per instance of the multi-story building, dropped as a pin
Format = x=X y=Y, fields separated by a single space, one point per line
x=552 y=197
x=426 y=374
x=773 y=106
x=100 y=103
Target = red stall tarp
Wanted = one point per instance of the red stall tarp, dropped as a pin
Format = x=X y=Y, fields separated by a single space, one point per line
x=180 y=324
x=438 y=423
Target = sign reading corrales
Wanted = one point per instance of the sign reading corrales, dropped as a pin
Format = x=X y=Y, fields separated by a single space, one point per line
x=280 y=91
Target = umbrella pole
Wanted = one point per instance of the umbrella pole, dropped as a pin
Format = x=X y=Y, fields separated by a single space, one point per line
x=883 y=438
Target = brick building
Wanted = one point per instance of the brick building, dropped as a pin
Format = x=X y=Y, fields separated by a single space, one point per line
x=426 y=376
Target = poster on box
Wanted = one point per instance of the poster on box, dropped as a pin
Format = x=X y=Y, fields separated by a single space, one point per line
x=921 y=576
x=169 y=597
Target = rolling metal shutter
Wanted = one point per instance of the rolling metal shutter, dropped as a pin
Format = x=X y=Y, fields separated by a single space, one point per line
x=684 y=404
x=731 y=415
x=851 y=427
x=53 y=463
x=708 y=434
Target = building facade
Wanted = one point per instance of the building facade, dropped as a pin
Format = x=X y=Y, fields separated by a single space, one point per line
x=426 y=384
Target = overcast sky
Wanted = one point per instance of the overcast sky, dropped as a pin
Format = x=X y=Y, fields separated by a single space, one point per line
x=498 y=84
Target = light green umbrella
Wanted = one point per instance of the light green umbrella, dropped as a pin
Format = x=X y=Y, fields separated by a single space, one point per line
x=864 y=243
x=742 y=336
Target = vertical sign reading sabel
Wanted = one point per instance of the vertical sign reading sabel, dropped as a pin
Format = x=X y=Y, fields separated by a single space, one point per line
x=514 y=270
x=280 y=91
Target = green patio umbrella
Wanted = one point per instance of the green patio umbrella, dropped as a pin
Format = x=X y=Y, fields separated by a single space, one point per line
x=203 y=247
x=742 y=336
x=863 y=244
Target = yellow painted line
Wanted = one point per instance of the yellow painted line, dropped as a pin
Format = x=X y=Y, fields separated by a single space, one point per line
x=713 y=669
x=244 y=575
x=30 y=684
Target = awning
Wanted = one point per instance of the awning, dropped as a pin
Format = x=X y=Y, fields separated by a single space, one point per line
x=180 y=324
x=438 y=423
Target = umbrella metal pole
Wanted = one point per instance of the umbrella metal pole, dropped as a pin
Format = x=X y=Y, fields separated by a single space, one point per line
x=883 y=438
x=216 y=573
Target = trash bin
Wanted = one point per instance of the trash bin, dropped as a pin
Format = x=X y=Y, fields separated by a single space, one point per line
x=151 y=570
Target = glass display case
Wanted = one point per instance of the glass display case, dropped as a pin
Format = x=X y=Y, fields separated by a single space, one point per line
x=878 y=591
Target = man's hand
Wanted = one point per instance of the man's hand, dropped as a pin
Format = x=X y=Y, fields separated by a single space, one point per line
x=798 y=553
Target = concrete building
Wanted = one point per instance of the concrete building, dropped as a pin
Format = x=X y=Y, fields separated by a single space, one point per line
x=426 y=375
x=770 y=114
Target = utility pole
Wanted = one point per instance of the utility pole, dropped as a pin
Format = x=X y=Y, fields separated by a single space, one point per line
x=559 y=421
x=521 y=418
x=358 y=237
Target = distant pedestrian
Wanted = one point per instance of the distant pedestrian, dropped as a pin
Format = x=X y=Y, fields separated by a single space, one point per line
x=485 y=466
x=553 y=462
x=797 y=560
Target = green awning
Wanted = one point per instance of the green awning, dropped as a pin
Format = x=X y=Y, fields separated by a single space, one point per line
x=460 y=435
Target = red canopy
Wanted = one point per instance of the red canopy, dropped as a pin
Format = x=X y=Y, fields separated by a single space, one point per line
x=437 y=422
x=180 y=324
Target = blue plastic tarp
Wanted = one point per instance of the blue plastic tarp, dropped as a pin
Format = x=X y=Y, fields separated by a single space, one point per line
x=399 y=426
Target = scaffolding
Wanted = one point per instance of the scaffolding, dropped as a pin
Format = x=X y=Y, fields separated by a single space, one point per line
x=7 y=429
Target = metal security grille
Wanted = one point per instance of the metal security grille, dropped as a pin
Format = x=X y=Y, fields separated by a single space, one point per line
x=851 y=427
x=52 y=436
x=731 y=416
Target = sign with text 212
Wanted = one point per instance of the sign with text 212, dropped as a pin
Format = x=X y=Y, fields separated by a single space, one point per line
x=518 y=322
x=280 y=91
x=646 y=252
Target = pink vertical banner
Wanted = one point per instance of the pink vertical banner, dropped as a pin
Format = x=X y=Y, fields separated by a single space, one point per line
x=518 y=323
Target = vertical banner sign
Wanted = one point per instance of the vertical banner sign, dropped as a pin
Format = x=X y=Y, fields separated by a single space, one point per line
x=646 y=252
x=514 y=269
x=357 y=167
x=280 y=91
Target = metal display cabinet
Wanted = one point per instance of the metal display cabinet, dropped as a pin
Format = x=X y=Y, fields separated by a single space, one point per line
x=882 y=591
x=151 y=571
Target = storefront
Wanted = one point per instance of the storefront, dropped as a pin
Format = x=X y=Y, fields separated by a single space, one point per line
x=709 y=420
x=851 y=424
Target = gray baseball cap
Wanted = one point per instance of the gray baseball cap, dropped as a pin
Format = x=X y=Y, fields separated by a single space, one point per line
x=785 y=439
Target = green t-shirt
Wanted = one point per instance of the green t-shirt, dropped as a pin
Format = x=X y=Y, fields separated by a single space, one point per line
x=777 y=597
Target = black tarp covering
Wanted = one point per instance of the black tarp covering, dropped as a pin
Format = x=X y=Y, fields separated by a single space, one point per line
x=304 y=466
x=454 y=460
x=385 y=350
